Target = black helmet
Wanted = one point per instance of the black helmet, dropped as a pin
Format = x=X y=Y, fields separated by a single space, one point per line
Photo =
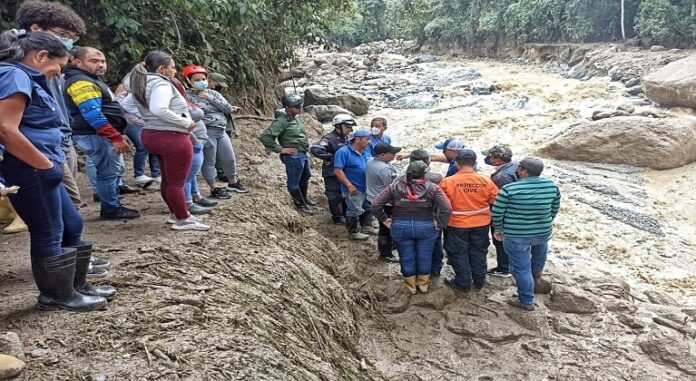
x=291 y=100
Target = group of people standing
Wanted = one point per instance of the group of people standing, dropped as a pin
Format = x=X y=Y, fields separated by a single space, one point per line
x=55 y=102
x=515 y=206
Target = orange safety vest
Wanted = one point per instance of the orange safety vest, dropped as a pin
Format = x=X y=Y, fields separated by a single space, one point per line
x=471 y=196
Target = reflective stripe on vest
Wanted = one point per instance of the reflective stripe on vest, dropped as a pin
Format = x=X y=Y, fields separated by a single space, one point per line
x=471 y=212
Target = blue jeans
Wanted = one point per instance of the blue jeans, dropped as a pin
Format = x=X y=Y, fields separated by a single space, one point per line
x=298 y=170
x=438 y=255
x=141 y=155
x=106 y=164
x=358 y=207
x=414 y=241
x=44 y=205
x=527 y=256
x=191 y=184
x=466 y=252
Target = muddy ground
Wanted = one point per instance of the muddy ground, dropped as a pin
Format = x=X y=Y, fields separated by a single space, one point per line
x=268 y=294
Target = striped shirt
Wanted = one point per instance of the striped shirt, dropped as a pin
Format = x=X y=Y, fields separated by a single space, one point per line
x=526 y=208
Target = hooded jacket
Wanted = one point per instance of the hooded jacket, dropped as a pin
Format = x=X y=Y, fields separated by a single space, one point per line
x=420 y=200
x=167 y=109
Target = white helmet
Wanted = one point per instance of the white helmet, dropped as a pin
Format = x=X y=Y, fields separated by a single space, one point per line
x=344 y=119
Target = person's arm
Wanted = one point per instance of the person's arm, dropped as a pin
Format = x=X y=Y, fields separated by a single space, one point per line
x=219 y=102
x=492 y=192
x=88 y=98
x=498 y=213
x=160 y=98
x=339 y=164
x=269 y=137
x=383 y=198
x=556 y=204
x=12 y=109
x=439 y=158
x=442 y=209
x=320 y=150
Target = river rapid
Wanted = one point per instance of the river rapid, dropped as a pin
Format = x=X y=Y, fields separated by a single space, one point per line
x=637 y=224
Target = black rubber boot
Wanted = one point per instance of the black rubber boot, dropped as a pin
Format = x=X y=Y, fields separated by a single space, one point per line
x=82 y=258
x=337 y=213
x=352 y=226
x=303 y=190
x=384 y=246
x=300 y=202
x=54 y=277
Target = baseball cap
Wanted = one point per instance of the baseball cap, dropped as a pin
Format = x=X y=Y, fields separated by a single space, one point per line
x=219 y=78
x=502 y=152
x=385 y=148
x=466 y=154
x=417 y=168
x=360 y=133
x=450 y=144
x=533 y=165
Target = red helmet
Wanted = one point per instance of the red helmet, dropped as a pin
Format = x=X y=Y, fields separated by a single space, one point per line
x=193 y=69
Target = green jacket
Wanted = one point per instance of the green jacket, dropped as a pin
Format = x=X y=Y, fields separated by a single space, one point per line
x=289 y=133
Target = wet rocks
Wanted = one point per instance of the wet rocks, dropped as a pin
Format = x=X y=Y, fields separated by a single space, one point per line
x=10 y=344
x=667 y=347
x=355 y=103
x=638 y=141
x=572 y=300
x=673 y=85
x=422 y=58
x=325 y=113
x=10 y=367
x=417 y=101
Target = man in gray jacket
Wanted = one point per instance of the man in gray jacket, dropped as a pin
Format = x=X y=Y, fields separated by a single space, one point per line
x=379 y=174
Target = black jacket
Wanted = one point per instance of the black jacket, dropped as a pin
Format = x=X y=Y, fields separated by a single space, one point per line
x=110 y=108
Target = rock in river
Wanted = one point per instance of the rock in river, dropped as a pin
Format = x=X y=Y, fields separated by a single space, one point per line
x=355 y=103
x=674 y=85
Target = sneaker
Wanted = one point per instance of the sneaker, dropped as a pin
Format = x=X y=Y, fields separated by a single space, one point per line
x=450 y=283
x=208 y=203
x=99 y=263
x=144 y=181
x=119 y=214
x=520 y=305
x=237 y=187
x=220 y=193
x=190 y=224
x=501 y=274
x=197 y=210
x=369 y=230
x=127 y=189
x=96 y=272
x=171 y=220
x=157 y=179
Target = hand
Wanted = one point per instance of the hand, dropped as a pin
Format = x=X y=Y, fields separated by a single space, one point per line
x=288 y=151
x=191 y=126
x=352 y=190
x=48 y=165
x=402 y=156
x=235 y=109
x=121 y=147
x=387 y=223
x=498 y=236
x=203 y=95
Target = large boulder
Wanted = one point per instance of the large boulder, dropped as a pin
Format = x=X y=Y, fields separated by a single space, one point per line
x=674 y=85
x=643 y=142
x=355 y=103
x=325 y=113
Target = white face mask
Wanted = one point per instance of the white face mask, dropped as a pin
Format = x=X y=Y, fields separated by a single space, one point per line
x=376 y=131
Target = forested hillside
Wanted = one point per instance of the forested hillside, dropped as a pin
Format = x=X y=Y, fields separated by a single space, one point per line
x=666 y=22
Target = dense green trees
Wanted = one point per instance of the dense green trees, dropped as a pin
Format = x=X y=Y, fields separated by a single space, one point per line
x=246 y=39
x=669 y=22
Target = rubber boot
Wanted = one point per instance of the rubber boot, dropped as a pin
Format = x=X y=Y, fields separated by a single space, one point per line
x=300 y=202
x=366 y=224
x=337 y=213
x=410 y=284
x=82 y=259
x=305 y=197
x=422 y=281
x=54 y=277
x=352 y=226
x=7 y=213
x=384 y=247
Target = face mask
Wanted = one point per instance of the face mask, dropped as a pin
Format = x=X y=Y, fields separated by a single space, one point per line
x=68 y=42
x=517 y=173
x=487 y=160
x=200 y=85
x=376 y=131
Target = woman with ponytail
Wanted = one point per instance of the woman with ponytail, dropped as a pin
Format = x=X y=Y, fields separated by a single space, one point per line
x=168 y=123
x=33 y=160
x=419 y=208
